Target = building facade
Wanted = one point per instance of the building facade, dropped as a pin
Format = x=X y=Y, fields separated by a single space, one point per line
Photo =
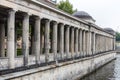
x=55 y=35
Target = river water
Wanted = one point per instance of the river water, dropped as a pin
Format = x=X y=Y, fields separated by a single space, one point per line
x=110 y=71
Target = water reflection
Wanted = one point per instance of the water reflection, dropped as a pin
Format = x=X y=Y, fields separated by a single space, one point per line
x=111 y=71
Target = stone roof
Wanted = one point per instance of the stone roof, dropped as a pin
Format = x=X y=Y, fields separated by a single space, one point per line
x=110 y=30
x=82 y=14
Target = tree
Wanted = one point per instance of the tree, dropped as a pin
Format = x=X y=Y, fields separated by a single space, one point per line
x=117 y=36
x=66 y=6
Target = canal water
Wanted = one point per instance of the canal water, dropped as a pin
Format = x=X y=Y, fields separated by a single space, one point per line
x=110 y=71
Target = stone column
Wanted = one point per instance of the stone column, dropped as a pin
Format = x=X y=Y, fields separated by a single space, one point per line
x=104 y=44
x=101 y=42
x=97 y=43
x=36 y=39
x=114 y=41
x=67 y=41
x=47 y=43
x=84 y=44
x=25 y=39
x=76 y=42
x=11 y=39
x=2 y=40
x=94 y=43
x=98 y=39
x=107 y=43
x=81 y=53
x=72 y=43
x=61 y=40
x=89 y=43
x=54 y=40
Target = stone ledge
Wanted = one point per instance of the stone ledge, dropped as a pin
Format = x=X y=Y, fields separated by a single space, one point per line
x=45 y=68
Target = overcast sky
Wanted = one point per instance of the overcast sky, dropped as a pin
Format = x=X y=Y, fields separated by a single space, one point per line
x=105 y=12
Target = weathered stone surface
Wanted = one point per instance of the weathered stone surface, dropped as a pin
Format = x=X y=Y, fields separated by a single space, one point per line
x=70 y=71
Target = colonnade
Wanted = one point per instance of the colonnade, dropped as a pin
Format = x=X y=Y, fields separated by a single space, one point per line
x=50 y=37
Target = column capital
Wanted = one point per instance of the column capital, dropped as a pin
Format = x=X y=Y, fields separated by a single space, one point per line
x=12 y=10
x=61 y=24
x=37 y=18
x=26 y=14
x=67 y=25
x=54 y=22
x=46 y=20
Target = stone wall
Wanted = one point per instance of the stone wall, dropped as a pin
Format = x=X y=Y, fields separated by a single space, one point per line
x=63 y=71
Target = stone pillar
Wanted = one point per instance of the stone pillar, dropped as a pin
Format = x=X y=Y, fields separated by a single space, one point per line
x=25 y=39
x=2 y=40
x=54 y=41
x=114 y=41
x=67 y=41
x=11 y=39
x=107 y=43
x=61 y=40
x=72 y=42
x=47 y=43
x=98 y=39
x=101 y=41
x=76 y=42
x=36 y=39
x=84 y=44
x=81 y=53
x=89 y=43
x=94 y=43
x=104 y=44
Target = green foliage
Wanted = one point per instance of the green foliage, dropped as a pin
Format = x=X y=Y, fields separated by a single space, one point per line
x=19 y=52
x=66 y=6
x=117 y=36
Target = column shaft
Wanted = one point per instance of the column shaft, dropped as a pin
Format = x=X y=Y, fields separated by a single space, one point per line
x=114 y=41
x=84 y=44
x=25 y=39
x=47 y=43
x=36 y=44
x=61 y=40
x=54 y=41
x=67 y=41
x=81 y=43
x=11 y=39
x=89 y=43
x=76 y=42
x=72 y=42
x=94 y=43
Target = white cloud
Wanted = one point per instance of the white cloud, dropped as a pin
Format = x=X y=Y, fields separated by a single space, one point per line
x=105 y=12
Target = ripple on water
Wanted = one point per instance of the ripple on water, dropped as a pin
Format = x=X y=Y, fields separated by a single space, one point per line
x=110 y=71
